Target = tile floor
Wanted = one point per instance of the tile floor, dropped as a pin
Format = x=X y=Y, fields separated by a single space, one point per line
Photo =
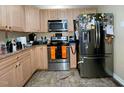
x=66 y=79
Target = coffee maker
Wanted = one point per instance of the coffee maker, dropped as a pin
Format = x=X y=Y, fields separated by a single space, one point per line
x=32 y=37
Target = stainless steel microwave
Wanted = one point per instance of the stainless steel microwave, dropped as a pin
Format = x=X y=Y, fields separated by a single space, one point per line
x=57 y=26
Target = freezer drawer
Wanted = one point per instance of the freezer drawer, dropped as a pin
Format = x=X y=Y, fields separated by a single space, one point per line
x=93 y=67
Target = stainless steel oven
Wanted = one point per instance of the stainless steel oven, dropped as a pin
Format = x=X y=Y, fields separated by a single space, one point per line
x=57 y=26
x=58 y=55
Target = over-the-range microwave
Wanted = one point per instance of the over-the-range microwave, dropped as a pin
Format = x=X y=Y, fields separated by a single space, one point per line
x=57 y=26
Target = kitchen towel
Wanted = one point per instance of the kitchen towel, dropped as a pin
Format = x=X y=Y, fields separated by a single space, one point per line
x=64 y=52
x=53 y=52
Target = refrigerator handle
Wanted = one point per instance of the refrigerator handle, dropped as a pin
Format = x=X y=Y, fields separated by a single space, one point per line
x=96 y=35
x=99 y=33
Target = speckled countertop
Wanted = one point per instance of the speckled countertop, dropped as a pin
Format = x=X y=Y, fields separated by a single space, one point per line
x=2 y=56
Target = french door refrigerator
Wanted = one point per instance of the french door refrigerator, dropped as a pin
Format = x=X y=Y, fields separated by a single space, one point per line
x=95 y=56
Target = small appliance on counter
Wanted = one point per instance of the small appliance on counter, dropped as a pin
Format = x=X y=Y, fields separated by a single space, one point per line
x=32 y=37
x=3 y=49
x=71 y=39
x=18 y=45
x=23 y=41
x=9 y=46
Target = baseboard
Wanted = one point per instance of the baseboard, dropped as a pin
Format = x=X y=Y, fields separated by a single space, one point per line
x=119 y=79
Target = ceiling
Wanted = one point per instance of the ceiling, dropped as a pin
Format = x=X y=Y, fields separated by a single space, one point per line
x=64 y=6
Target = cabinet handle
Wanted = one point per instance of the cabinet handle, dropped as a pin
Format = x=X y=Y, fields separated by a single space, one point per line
x=10 y=27
x=16 y=66
x=19 y=64
x=6 y=26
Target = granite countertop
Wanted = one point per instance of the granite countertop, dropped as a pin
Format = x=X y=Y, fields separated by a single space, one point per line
x=2 y=56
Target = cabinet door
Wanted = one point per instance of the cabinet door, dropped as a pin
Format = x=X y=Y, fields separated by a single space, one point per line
x=7 y=76
x=32 y=18
x=3 y=18
x=73 y=63
x=19 y=74
x=42 y=57
x=44 y=20
x=15 y=17
x=33 y=60
x=45 y=57
x=90 y=10
x=26 y=68
x=62 y=14
x=39 y=57
x=52 y=14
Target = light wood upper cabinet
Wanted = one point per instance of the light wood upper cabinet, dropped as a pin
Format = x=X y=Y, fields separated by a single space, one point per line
x=52 y=14
x=32 y=19
x=3 y=17
x=12 y=18
x=15 y=18
x=90 y=10
x=44 y=20
x=62 y=14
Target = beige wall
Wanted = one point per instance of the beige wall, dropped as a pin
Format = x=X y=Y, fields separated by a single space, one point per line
x=118 y=12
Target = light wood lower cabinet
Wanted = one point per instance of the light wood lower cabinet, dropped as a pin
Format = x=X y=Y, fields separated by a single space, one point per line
x=26 y=69
x=42 y=57
x=73 y=59
x=8 y=76
x=19 y=74
x=34 y=63
x=17 y=69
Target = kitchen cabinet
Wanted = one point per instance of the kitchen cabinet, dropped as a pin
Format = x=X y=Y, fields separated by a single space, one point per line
x=3 y=18
x=19 y=73
x=62 y=14
x=73 y=60
x=59 y=14
x=34 y=64
x=15 y=18
x=90 y=10
x=15 y=70
x=32 y=19
x=42 y=57
x=23 y=68
x=52 y=14
x=7 y=71
x=7 y=76
x=12 y=18
x=26 y=67
x=43 y=20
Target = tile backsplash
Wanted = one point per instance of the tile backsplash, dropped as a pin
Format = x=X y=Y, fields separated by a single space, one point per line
x=52 y=33
x=4 y=35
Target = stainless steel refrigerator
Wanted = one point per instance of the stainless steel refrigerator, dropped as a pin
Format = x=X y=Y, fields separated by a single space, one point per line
x=95 y=56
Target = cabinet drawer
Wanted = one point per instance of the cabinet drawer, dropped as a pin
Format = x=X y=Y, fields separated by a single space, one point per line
x=23 y=55
x=7 y=61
